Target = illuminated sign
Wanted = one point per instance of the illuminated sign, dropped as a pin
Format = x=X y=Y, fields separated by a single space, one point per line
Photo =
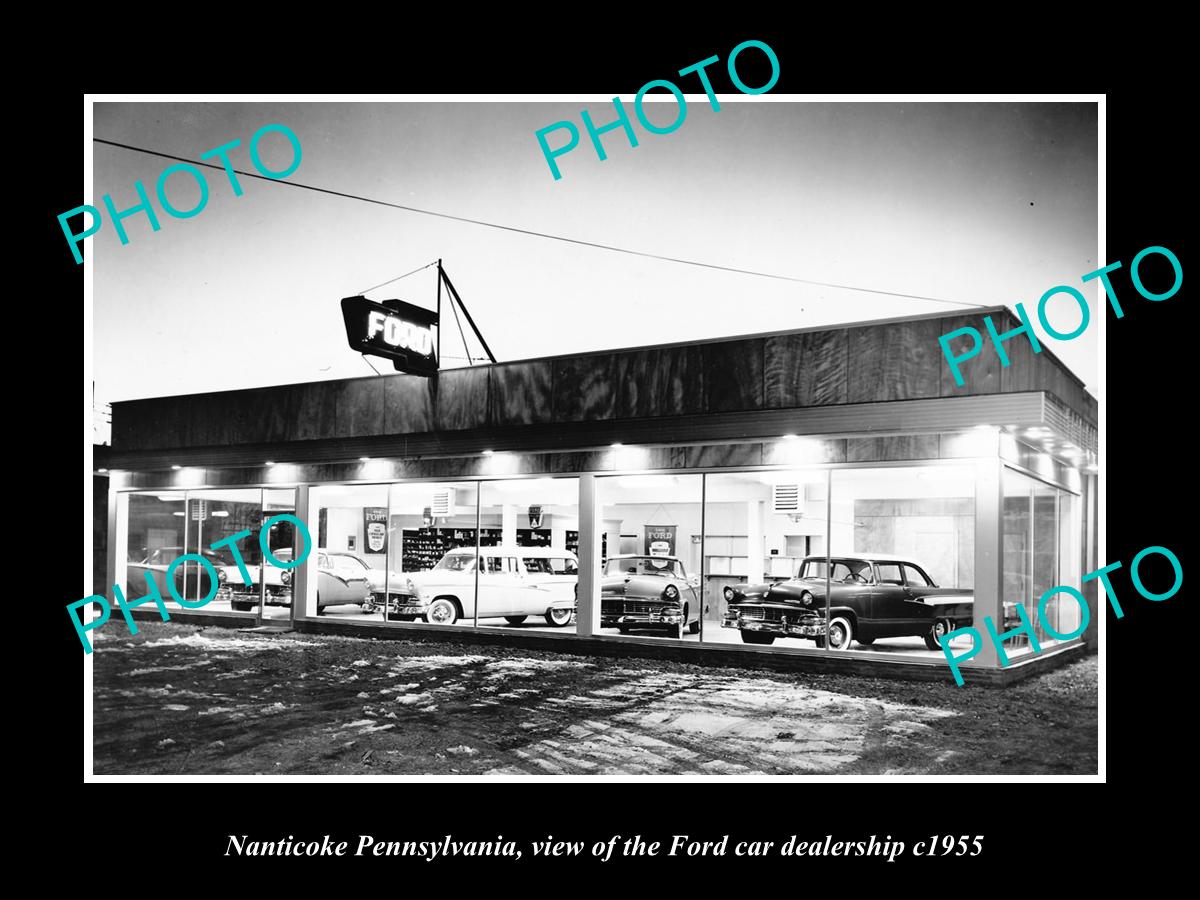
x=395 y=330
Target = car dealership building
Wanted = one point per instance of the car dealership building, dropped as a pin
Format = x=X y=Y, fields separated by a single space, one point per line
x=738 y=457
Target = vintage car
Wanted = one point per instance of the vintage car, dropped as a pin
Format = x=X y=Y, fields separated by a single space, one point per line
x=352 y=563
x=870 y=596
x=336 y=585
x=153 y=567
x=649 y=592
x=514 y=583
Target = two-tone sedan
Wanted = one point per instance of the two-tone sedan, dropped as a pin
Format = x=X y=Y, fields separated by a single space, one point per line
x=870 y=596
x=649 y=592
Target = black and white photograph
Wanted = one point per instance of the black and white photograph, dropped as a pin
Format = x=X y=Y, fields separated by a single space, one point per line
x=700 y=434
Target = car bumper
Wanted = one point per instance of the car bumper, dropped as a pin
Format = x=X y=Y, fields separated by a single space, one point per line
x=406 y=606
x=282 y=598
x=786 y=629
x=610 y=621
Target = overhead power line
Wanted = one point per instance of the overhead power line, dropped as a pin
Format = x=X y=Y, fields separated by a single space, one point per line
x=540 y=234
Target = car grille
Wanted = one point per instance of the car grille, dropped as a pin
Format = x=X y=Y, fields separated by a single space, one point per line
x=617 y=607
x=753 y=612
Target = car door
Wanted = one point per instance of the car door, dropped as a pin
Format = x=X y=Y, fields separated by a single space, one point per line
x=916 y=584
x=850 y=586
x=890 y=608
x=495 y=586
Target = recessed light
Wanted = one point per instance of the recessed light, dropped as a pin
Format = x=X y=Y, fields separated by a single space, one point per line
x=364 y=459
x=617 y=446
x=789 y=437
x=488 y=452
x=102 y=471
x=176 y=468
x=269 y=462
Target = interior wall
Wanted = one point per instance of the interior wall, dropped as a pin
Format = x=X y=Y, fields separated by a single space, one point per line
x=938 y=533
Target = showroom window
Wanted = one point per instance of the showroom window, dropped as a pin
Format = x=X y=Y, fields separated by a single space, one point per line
x=759 y=529
x=530 y=580
x=1041 y=551
x=914 y=529
x=164 y=525
x=434 y=536
x=651 y=529
x=348 y=569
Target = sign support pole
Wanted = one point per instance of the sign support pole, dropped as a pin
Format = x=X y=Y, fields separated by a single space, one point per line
x=439 y=313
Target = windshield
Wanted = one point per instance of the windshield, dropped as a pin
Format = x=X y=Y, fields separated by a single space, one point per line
x=644 y=565
x=845 y=571
x=457 y=562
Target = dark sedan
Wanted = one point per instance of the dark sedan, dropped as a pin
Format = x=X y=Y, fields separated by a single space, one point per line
x=870 y=597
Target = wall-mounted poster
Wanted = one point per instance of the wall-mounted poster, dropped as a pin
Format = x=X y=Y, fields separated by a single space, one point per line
x=375 y=529
x=660 y=540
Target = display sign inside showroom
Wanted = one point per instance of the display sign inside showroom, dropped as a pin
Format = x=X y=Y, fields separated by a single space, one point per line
x=395 y=330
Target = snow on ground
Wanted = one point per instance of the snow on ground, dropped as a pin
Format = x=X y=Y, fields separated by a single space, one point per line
x=182 y=699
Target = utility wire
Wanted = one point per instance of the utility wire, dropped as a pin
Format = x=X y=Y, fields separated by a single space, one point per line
x=541 y=234
x=398 y=277
x=372 y=365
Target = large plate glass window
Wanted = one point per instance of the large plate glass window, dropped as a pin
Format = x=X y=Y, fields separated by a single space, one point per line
x=529 y=577
x=650 y=577
x=1041 y=551
x=759 y=528
x=433 y=534
x=350 y=559
x=902 y=560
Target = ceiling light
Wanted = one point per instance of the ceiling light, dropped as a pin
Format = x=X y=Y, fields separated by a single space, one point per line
x=364 y=459
x=176 y=468
x=102 y=471
x=488 y=452
x=617 y=446
x=789 y=437
x=269 y=462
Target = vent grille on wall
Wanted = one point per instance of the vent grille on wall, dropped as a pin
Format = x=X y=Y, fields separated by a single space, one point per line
x=443 y=503
x=785 y=498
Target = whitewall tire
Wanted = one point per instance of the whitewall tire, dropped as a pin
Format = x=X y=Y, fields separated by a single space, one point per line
x=840 y=633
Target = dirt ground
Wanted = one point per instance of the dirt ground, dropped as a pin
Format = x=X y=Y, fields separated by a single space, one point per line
x=181 y=699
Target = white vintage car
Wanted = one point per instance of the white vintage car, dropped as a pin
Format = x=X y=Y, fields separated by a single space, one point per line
x=514 y=583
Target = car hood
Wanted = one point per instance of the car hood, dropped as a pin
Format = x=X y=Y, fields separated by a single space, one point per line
x=377 y=576
x=636 y=585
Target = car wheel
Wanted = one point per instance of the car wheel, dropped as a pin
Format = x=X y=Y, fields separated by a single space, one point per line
x=933 y=637
x=840 y=633
x=515 y=620
x=558 y=617
x=623 y=629
x=865 y=641
x=442 y=612
x=694 y=627
x=757 y=637
x=242 y=605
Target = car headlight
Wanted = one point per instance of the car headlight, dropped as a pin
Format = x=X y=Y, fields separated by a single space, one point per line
x=671 y=592
x=806 y=599
x=286 y=577
x=222 y=577
x=728 y=592
x=409 y=587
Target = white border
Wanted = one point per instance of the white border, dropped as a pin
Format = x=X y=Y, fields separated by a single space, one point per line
x=1099 y=99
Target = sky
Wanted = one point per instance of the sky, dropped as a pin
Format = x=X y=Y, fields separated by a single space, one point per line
x=985 y=203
